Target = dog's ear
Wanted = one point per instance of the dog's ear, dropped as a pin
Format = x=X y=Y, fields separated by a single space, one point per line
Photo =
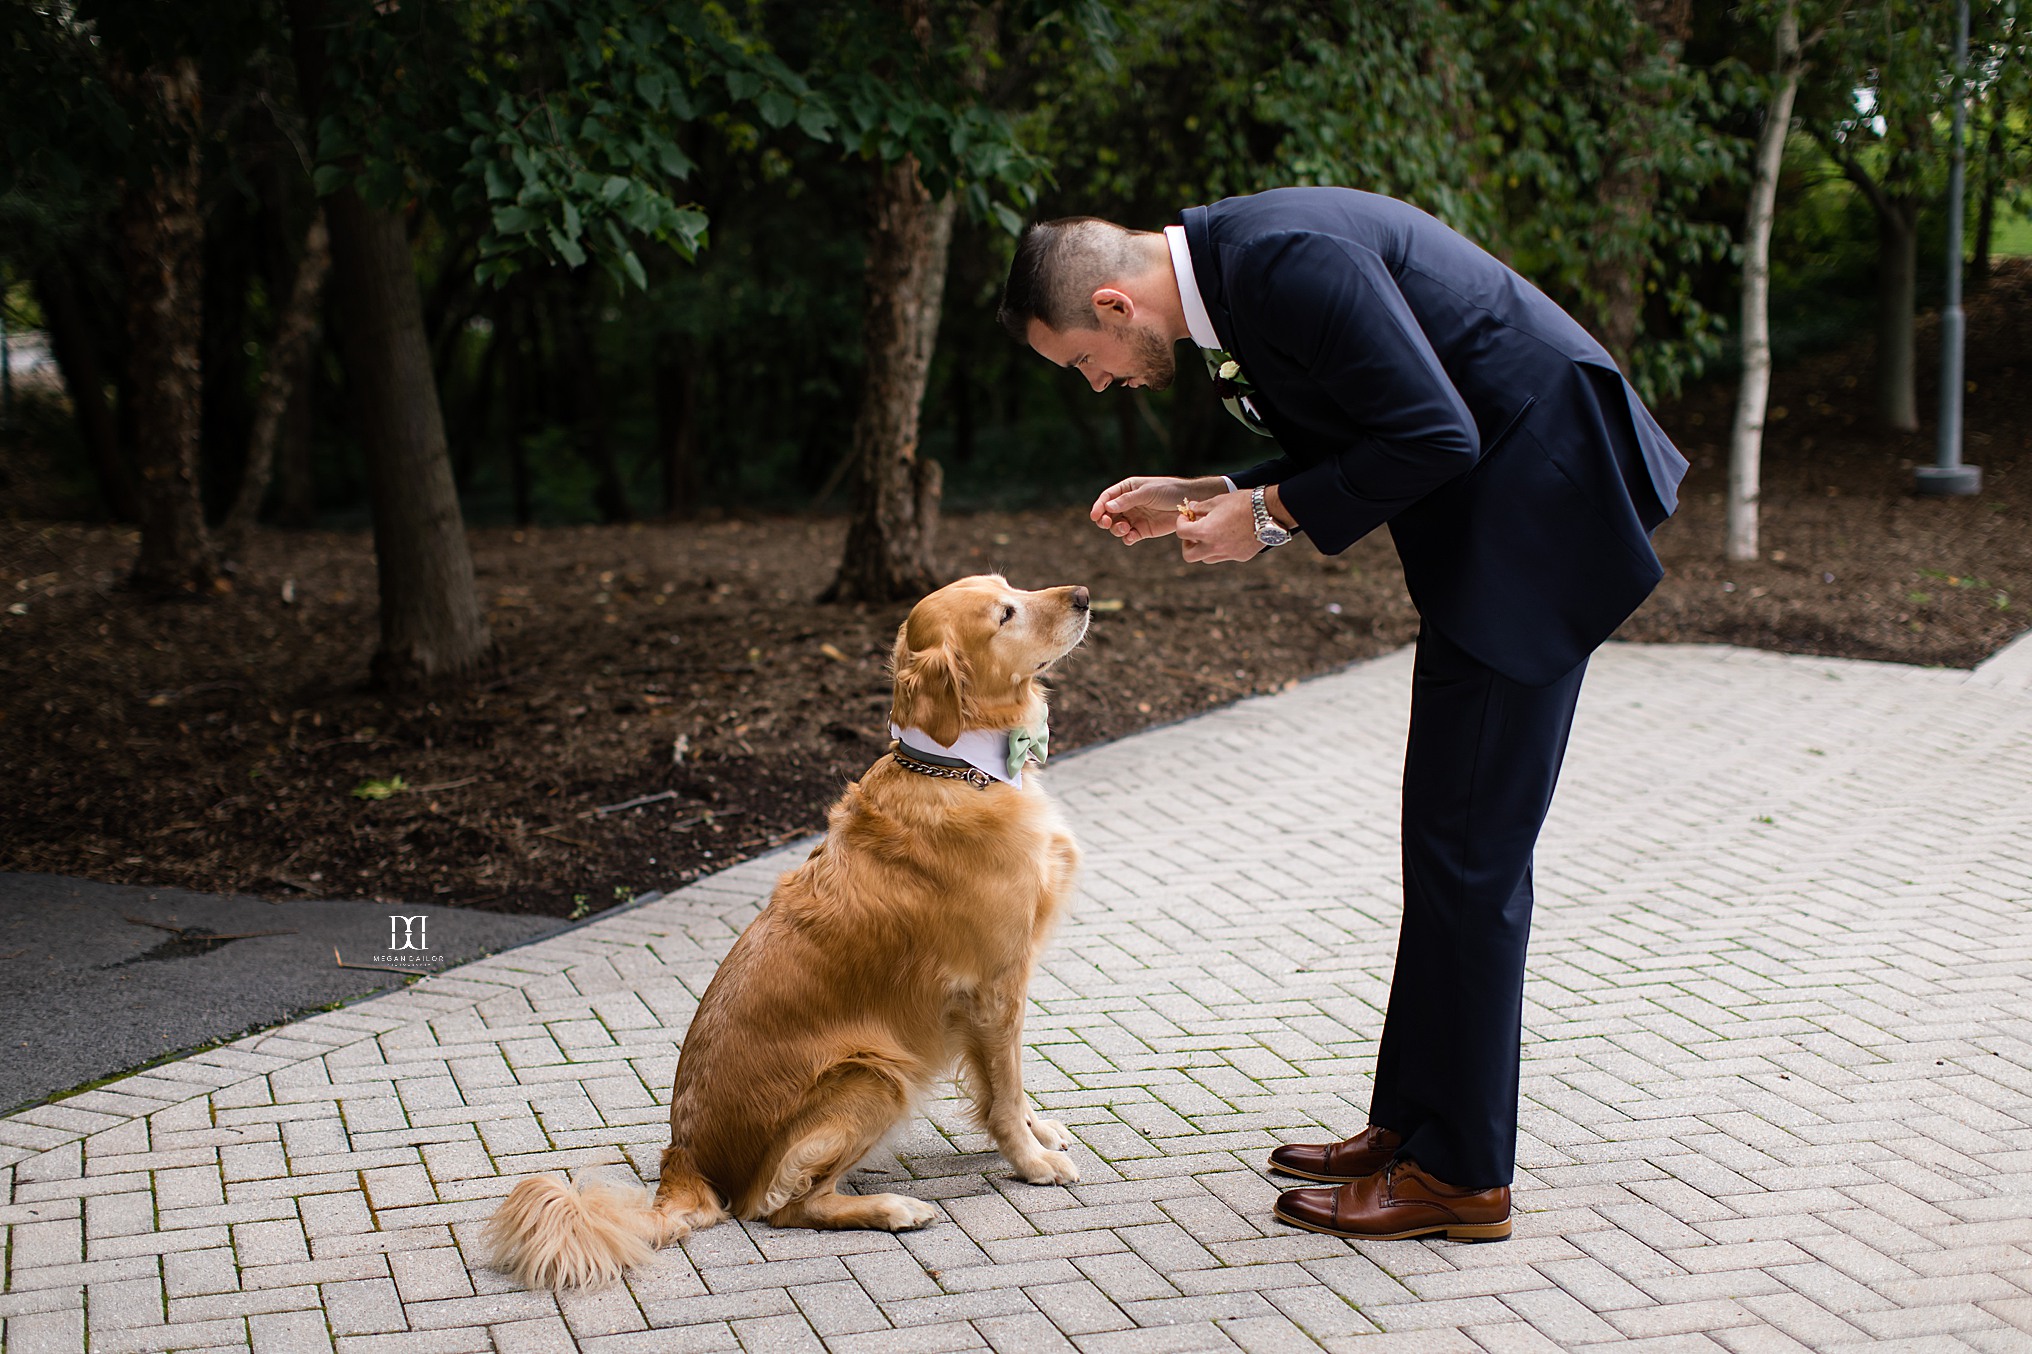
x=931 y=691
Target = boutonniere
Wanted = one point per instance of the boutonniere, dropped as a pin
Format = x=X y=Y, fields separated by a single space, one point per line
x=1229 y=382
x=1234 y=389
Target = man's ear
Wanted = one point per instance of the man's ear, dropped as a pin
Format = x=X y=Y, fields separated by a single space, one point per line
x=931 y=692
x=1113 y=306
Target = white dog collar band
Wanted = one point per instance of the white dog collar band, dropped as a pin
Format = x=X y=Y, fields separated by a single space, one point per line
x=986 y=750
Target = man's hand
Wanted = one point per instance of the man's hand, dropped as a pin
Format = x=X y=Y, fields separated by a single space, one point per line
x=1223 y=529
x=1144 y=506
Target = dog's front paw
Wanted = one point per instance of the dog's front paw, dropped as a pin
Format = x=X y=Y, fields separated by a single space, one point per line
x=1050 y=1134
x=901 y=1213
x=1047 y=1168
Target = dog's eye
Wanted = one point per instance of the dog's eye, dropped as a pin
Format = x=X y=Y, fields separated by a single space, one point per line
x=1008 y=613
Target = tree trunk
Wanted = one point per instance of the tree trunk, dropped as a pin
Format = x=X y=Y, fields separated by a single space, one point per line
x=889 y=542
x=1986 y=211
x=677 y=428
x=226 y=420
x=288 y=365
x=1193 y=432
x=1078 y=408
x=1897 y=270
x=1630 y=189
x=518 y=330
x=1616 y=265
x=1128 y=449
x=162 y=234
x=962 y=397
x=77 y=356
x=296 y=476
x=1746 y=439
x=1897 y=209
x=431 y=626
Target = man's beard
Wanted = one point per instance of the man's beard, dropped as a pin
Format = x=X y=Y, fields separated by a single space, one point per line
x=1154 y=352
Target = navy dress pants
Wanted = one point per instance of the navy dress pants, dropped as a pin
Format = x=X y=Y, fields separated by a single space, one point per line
x=1483 y=756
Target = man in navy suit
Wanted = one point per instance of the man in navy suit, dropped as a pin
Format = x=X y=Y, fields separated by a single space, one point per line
x=1408 y=378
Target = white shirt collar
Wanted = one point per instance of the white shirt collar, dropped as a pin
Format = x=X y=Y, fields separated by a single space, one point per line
x=985 y=750
x=1196 y=318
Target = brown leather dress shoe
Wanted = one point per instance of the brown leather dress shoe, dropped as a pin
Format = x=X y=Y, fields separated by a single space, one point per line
x=1363 y=1154
x=1398 y=1202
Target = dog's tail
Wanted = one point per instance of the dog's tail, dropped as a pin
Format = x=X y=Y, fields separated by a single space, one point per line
x=551 y=1234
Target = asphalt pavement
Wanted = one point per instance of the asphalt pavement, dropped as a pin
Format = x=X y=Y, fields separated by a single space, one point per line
x=97 y=979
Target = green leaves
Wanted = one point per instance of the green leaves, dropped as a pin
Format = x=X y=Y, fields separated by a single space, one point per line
x=563 y=124
x=776 y=107
x=1515 y=121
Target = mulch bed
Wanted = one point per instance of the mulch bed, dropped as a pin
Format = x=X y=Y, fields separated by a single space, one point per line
x=218 y=744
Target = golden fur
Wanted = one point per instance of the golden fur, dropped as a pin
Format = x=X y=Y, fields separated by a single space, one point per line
x=901 y=949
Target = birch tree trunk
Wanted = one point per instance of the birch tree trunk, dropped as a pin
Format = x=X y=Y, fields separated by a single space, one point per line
x=896 y=491
x=289 y=355
x=1746 y=439
x=162 y=235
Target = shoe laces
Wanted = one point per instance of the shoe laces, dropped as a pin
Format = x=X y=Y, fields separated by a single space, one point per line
x=1392 y=1168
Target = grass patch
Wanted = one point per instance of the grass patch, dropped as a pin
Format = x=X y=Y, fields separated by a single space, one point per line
x=2011 y=236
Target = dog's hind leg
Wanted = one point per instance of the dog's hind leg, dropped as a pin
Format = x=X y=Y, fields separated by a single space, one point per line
x=850 y=1110
x=826 y=1207
x=685 y=1201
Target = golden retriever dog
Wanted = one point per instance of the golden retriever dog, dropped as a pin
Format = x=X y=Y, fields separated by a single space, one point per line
x=899 y=951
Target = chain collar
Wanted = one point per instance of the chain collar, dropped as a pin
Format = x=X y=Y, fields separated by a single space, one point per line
x=972 y=775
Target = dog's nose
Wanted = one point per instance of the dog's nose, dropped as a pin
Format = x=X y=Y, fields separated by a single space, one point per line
x=1079 y=599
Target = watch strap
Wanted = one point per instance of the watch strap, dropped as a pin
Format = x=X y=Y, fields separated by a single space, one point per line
x=1264 y=522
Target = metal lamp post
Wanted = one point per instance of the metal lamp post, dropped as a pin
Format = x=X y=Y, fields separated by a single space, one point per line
x=1947 y=475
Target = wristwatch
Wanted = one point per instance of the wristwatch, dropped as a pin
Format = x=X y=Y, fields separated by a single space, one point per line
x=1267 y=530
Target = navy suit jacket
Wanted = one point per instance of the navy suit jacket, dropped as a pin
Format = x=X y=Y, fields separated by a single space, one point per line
x=1411 y=378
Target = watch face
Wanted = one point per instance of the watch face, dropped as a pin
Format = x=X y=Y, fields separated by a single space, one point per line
x=1272 y=534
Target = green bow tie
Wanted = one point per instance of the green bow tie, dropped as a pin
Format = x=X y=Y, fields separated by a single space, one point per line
x=1216 y=358
x=1024 y=744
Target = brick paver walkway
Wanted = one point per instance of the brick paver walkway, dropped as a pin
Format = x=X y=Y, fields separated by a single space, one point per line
x=1777 y=1079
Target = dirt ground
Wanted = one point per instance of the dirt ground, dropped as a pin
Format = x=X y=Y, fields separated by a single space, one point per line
x=222 y=745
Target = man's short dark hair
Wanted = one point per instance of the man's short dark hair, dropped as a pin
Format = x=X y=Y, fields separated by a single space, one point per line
x=1058 y=266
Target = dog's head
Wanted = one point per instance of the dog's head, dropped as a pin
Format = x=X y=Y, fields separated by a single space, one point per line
x=969 y=655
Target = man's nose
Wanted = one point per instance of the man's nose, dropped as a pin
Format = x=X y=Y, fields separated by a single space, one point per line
x=1099 y=381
